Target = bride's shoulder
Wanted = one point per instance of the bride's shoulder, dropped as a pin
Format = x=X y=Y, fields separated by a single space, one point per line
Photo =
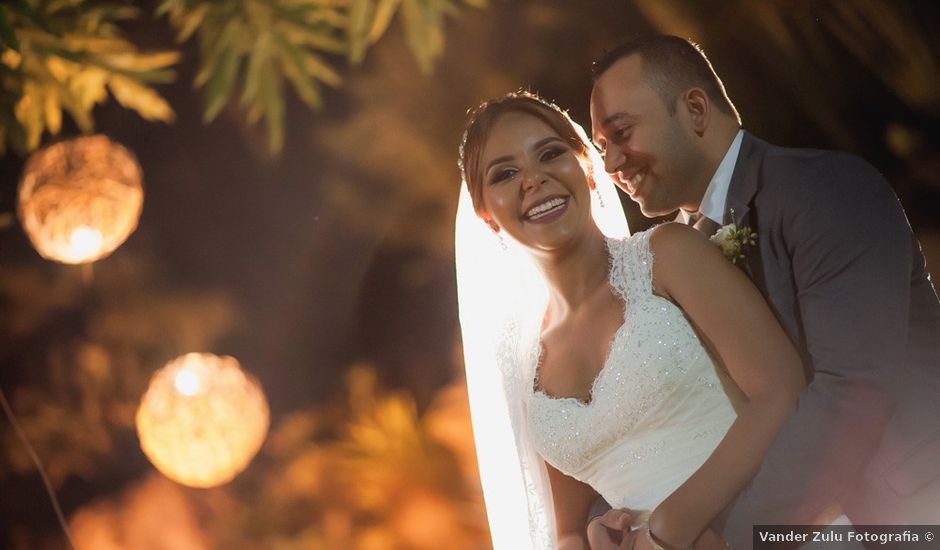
x=658 y=232
x=654 y=240
x=672 y=234
x=622 y=248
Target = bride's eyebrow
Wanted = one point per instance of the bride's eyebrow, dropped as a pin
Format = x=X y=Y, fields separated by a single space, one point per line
x=538 y=144
x=498 y=160
x=547 y=140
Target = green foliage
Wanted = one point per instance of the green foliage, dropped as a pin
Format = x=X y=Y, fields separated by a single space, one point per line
x=422 y=21
x=263 y=44
x=67 y=56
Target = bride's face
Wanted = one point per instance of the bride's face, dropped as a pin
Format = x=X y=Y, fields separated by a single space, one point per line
x=534 y=185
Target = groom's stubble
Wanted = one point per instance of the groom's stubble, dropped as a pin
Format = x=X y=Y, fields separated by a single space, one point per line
x=640 y=134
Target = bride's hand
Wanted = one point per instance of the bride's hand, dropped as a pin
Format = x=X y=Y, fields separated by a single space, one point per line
x=609 y=531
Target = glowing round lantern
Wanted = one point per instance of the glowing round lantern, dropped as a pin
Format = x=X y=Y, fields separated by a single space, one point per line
x=202 y=419
x=80 y=199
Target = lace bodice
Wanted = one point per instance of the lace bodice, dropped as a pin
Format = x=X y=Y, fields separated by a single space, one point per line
x=658 y=406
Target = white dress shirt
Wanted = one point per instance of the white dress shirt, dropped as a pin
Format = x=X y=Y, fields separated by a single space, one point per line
x=716 y=195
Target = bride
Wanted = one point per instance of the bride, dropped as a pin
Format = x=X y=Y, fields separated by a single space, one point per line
x=646 y=369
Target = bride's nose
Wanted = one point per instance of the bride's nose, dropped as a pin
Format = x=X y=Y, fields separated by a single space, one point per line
x=532 y=180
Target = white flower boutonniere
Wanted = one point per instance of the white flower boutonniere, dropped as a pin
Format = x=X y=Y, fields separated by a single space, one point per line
x=733 y=240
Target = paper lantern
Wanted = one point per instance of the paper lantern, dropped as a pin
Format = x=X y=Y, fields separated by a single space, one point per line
x=202 y=419
x=80 y=199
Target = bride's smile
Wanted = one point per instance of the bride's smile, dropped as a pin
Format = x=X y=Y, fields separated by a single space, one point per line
x=534 y=184
x=546 y=210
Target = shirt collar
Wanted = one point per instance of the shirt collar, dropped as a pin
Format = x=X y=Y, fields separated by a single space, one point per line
x=716 y=195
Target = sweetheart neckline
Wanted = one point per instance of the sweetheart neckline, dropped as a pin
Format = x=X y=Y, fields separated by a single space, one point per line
x=605 y=366
x=621 y=296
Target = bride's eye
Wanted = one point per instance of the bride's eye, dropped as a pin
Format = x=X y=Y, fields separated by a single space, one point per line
x=502 y=175
x=551 y=153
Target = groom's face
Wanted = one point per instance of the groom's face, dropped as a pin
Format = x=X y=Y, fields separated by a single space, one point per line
x=649 y=151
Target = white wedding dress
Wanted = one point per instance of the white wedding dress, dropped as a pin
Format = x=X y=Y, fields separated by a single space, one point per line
x=657 y=410
x=658 y=407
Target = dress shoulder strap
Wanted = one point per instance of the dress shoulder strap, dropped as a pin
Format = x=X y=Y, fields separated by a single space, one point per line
x=631 y=266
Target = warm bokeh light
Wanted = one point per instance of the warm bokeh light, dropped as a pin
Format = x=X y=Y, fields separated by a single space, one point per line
x=80 y=199
x=187 y=382
x=151 y=513
x=84 y=242
x=202 y=419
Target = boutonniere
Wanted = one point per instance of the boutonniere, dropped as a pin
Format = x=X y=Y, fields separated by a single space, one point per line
x=733 y=240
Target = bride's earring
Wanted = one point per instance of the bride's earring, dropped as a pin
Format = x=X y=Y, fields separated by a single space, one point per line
x=496 y=231
x=600 y=199
x=502 y=243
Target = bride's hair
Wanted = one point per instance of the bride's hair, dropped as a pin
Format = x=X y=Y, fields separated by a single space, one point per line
x=481 y=122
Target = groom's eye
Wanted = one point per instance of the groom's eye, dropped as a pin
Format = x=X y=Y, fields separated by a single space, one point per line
x=621 y=133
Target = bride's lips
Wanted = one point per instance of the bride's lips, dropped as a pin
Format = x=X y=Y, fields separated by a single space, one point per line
x=546 y=210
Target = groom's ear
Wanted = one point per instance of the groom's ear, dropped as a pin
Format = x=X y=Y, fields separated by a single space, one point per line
x=696 y=103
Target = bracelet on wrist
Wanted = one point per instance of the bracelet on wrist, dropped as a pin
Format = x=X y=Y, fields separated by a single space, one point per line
x=659 y=545
x=654 y=541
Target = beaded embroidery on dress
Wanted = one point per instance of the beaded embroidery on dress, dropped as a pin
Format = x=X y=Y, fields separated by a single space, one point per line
x=657 y=408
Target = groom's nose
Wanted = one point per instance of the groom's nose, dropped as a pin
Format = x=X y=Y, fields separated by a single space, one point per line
x=613 y=159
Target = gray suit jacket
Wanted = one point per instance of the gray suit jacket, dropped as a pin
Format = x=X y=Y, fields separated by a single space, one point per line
x=841 y=269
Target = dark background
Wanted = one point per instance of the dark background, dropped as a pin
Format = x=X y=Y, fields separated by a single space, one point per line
x=339 y=251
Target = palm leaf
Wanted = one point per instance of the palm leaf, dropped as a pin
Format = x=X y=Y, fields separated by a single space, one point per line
x=360 y=12
x=259 y=56
x=73 y=53
x=296 y=71
x=384 y=12
x=142 y=99
x=220 y=84
x=272 y=96
x=52 y=111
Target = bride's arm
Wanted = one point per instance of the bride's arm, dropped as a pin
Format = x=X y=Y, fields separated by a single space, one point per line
x=572 y=500
x=734 y=318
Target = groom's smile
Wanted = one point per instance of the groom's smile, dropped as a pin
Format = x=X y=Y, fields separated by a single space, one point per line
x=649 y=145
x=630 y=183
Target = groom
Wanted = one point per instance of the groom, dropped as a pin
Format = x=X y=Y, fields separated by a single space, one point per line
x=837 y=262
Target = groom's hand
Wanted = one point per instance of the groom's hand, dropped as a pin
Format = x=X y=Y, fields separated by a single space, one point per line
x=609 y=531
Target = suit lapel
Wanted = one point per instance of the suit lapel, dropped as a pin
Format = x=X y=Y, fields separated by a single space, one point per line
x=741 y=191
x=744 y=179
x=706 y=226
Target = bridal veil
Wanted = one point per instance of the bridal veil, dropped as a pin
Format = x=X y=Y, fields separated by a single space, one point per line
x=502 y=298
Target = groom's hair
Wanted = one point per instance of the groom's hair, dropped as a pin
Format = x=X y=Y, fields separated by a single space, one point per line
x=672 y=65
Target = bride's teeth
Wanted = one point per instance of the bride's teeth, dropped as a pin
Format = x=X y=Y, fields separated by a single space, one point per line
x=544 y=208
